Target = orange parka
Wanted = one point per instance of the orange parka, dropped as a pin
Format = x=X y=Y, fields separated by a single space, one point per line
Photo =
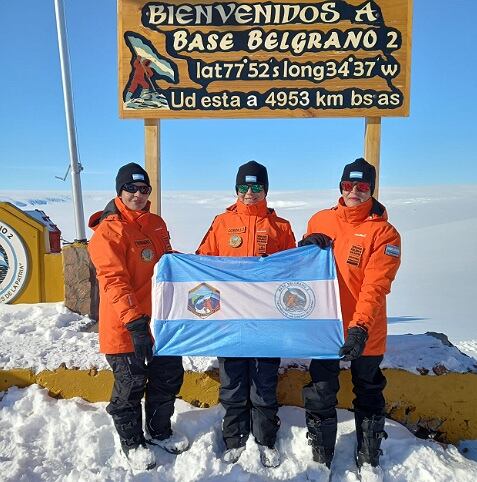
x=367 y=250
x=247 y=230
x=124 y=248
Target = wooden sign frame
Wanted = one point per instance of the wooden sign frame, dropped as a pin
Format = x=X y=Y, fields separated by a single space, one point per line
x=248 y=59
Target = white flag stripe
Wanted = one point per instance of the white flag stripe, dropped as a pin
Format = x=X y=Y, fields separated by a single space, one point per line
x=240 y=300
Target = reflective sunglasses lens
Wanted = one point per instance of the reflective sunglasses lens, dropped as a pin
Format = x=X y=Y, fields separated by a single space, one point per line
x=132 y=188
x=256 y=188
x=363 y=186
x=243 y=188
x=346 y=185
x=145 y=189
x=129 y=188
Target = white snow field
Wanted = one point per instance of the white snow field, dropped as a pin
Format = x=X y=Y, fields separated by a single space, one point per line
x=71 y=440
x=42 y=438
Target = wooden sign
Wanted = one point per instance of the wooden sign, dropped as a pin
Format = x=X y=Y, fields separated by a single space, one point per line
x=248 y=58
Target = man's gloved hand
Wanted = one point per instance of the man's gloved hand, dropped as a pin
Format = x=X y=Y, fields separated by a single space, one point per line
x=319 y=239
x=141 y=338
x=354 y=344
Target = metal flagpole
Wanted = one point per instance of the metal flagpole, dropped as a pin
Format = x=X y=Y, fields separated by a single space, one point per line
x=70 y=123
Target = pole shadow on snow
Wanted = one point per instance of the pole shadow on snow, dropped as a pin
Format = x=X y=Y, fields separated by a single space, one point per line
x=404 y=319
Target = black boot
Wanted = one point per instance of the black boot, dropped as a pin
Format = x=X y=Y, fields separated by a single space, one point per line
x=321 y=436
x=139 y=455
x=370 y=433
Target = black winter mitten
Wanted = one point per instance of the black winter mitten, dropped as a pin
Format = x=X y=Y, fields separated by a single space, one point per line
x=319 y=239
x=142 y=341
x=354 y=344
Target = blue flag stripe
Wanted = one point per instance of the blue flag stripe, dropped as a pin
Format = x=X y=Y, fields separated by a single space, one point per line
x=250 y=338
x=306 y=264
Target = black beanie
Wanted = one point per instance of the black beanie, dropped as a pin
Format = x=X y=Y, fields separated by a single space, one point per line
x=360 y=171
x=252 y=173
x=131 y=172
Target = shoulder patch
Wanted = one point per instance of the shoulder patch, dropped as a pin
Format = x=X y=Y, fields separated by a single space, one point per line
x=392 y=250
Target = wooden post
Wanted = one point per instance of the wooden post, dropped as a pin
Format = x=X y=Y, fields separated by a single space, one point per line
x=152 y=155
x=372 y=146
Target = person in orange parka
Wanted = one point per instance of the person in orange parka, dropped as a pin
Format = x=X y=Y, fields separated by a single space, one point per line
x=248 y=385
x=128 y=241
x=367 y=250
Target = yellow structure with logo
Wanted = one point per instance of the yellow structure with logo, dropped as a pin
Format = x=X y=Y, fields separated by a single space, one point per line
x=31 y=272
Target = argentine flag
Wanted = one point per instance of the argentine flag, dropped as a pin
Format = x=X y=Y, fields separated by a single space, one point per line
x=284 y=305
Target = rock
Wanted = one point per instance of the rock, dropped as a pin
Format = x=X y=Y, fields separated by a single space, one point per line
x=440 y=369
x=81 y=286
x=440 y=336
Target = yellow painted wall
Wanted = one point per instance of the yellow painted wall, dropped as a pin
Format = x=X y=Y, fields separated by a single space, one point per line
x=45 y=271
x=446 y=403
x=54 y=282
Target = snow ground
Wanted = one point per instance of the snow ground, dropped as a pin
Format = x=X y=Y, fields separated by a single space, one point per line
x=42 y=438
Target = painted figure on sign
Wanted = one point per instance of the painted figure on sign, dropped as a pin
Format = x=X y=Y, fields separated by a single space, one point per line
x=142 y=74
x=147 y=66
x=367 y=250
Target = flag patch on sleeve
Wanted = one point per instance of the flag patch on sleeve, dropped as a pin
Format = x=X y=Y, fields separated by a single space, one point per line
x=392 y=250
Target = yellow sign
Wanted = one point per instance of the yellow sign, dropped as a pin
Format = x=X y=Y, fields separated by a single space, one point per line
x=264 y=59
x=14 y=264
x=30 y=270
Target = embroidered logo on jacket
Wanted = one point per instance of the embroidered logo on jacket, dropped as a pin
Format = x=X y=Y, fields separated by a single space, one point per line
x=203 y=300
x=354 y=255
x=147 y=254
x=235 y=241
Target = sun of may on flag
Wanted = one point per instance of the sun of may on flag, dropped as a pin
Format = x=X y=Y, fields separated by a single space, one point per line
x=283 y=305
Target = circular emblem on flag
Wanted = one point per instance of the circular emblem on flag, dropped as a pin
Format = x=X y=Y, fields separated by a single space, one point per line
x=235 y=241
x=147 y=254
x=295 y=299
x=13 y=264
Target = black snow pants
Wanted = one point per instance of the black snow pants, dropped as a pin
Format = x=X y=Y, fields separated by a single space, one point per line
x=248 y=392
x=160 y=380
x=319 y=396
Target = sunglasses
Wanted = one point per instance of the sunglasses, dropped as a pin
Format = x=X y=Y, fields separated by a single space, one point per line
x=243 y=188
x=360 y=186
x=132 y=188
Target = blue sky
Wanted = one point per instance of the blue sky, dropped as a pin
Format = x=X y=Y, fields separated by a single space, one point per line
x=435 y=145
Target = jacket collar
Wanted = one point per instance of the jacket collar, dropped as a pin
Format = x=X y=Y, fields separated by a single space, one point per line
x=258 y=209
x=128 y=214
x=116 y=209
x=371 y=209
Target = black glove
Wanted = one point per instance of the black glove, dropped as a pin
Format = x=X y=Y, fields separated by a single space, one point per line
x=141 y=338
x=354 y=344
x=320 y=239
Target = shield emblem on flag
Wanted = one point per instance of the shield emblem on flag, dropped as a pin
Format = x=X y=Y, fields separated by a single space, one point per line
x=203 y=300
